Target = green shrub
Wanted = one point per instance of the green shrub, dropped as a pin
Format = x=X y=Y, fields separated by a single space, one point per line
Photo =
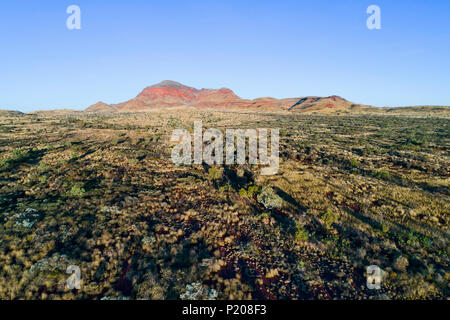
x=301 y=234
x=77 y=190
x=263 y=215
x=329 y=217
x=354 y=163
x=226 y=188
x=215 y=173
x=250 y=192
x=243 y=192
x=43 y=167
x=381 y=174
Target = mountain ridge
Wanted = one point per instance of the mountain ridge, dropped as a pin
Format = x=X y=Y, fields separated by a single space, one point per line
x=169 y=94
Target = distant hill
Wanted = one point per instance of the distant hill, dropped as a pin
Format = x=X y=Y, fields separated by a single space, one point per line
x=56 y=112
x=423 y=110
x=10 y=113
x=328 y=105
x=168 y=94
x=101 y=107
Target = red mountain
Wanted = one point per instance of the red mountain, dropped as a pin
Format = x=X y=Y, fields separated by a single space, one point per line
x=173 y=94
x=167 y=94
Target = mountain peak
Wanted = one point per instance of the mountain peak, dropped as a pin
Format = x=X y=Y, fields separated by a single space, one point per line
x=167 y=83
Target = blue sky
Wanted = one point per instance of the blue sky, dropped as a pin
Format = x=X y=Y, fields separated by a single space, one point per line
x=256 y=48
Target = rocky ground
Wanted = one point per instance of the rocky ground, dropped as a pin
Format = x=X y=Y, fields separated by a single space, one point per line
x=99 y=191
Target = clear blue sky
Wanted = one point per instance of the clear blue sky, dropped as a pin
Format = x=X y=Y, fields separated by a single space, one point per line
x=256 y=48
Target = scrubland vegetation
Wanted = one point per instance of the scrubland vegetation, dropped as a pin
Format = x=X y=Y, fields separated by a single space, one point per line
x=100 y=192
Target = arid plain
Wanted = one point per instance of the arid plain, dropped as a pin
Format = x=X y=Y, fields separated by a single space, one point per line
x=357 y=186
